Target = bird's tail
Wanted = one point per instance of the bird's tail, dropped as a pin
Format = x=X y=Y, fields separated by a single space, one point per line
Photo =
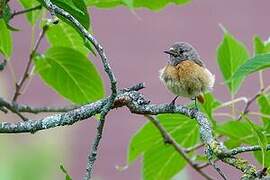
x=200 y=98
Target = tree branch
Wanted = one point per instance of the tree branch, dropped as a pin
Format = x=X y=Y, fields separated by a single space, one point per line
x=67 y=118
x=170 y=140
x=20 y=84
x=137 y=104
x=22 y=108
x=16 y=13
x=244 y=149
x=106 y=108
x=251 y=100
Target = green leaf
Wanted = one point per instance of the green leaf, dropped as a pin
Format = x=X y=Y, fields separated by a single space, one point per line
x=210 y=104
x=255 y=64
x=264 y=105
x=65 y=172
x=260 y=47
x=249 y=133
x=237 y=131
x=157 y=5
x=5 y=12
x=64 y=35
x=231 y=54
x=76 y=8
x=32 y=16
x=161 y=161
x=5 y=40
x=261 y=139
x=150 y=4
x=259 y=157
x=71 y=74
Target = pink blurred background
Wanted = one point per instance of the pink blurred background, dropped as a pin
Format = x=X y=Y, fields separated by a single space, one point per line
x=134 y=43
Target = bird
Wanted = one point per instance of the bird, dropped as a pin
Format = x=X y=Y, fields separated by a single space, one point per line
x=185 y=74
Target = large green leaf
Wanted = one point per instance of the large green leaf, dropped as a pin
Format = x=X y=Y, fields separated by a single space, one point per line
x=64 y=35
x=259 y=157
x=76 y=8
x=237 y=131
x=210 y=104
x=255 y=64
x=231 y=54
x=32 y=16
x=71 y=74
x=261 y=139
x=161 y=161
x=264 y=106
x=150 y=4
x=5 y=40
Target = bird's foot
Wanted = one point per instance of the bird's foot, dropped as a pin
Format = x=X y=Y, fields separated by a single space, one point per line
x=172 y=104
x=195 y=104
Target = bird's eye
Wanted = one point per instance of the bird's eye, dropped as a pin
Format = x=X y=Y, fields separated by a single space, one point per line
x=181 y=51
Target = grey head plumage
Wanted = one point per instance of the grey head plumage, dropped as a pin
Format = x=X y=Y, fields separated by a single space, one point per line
x=182 y=51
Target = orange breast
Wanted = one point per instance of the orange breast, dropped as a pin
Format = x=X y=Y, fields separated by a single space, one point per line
x=186 y=79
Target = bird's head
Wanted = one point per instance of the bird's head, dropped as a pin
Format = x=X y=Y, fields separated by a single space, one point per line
x=181 y=51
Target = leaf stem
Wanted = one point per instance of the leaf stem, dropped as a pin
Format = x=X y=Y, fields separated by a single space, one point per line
x=20 y=84
x=170 y=140
x=16 y=13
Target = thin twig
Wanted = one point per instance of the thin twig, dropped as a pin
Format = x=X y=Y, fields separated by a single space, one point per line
x=224 y=114
x=170 y=140
x=204 y=165
x=34 y=110
x=16 y=13
x=54 y=9
x=194 y=148
x=20 y=84
x=261 y=79
x=249 y=102
x=244 y=149
x=259 y=114
x=233 y=102
x=215 y=166
x=12 y=107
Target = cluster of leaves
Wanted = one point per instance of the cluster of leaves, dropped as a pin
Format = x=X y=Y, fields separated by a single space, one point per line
x=66 y=68
x=65 y=65
x=161 y=162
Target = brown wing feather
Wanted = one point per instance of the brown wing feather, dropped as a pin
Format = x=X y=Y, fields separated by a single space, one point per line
x=200 y=98
x=199 y=62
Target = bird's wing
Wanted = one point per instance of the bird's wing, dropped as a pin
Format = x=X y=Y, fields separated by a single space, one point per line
x=199 y=62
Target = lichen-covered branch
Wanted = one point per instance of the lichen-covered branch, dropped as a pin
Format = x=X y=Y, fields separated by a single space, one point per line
x=168 y=139
x=106 y=108
x=63 y=119
x=244 y=149
x=137 y=103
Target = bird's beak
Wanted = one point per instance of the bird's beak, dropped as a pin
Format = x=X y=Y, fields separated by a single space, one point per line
x=170 y=52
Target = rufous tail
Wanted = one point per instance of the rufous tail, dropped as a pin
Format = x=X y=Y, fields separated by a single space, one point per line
x=200 y=98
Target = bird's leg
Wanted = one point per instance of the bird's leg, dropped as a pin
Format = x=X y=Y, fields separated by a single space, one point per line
x=173 y=101
x=195 y=103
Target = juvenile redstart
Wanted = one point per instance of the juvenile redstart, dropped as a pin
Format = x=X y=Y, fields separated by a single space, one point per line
x=185 y=74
